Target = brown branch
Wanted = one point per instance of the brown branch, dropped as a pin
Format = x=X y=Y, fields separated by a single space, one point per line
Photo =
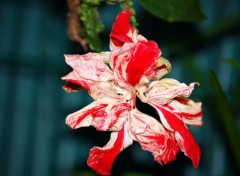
x=74 y=23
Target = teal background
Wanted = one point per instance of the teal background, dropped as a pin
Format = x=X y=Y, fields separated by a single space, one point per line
x=34 y=140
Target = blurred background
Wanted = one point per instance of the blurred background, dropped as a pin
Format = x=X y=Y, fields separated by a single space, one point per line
x=34 y=140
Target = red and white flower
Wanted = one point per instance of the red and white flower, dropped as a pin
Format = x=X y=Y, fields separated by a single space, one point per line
x=136 y=67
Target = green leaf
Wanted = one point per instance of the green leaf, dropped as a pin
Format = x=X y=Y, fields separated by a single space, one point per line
x=235 y=98
x=232 y=62
x=92 y=25
x=175 y=10
x=227 y=118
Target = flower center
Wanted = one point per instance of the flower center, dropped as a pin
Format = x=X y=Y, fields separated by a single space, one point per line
x=132 y=99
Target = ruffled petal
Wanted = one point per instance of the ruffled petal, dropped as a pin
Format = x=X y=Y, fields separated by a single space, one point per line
x=164 y=90
x=84 y=117
x=119 y=59
x=102 y=116
x=143 y=61
x=111 y=118
x=90 y=66
x=101 y=158
x=153 y=137
x=189 y=111
x=183 y=136
x=122 y=31
x=74 y=81
x=173 y=95
x=133 y=61
x=108 y=92
x=170 y=151
x=163 y=67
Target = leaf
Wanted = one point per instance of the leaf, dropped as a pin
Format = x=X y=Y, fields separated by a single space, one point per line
x=226 y=117
x=175 y=10
x=92 y=25
x=232 y=62
x=235 y=98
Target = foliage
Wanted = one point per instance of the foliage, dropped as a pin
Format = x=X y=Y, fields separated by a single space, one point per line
x=234 y=63
x=175 y=10
x=91 y=25
x=226 y=117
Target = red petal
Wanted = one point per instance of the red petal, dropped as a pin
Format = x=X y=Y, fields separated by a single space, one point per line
x=101 y=158
x=183 y=136
x=121 y=29
x=133 y=61
x=153 y=137
x=104 y=117
x=74 y=120
x=169 y=152
x=143 y=61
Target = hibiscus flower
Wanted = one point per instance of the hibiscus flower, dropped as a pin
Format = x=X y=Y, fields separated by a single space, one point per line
x=133 y=68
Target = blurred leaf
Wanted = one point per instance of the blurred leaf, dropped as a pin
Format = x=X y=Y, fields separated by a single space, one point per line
x=232 y=62
x=235 y=99
x=175 y=10
x=226 y=117
x=206 y=36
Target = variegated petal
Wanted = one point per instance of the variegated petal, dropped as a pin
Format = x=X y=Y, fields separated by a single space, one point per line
x=104 y=117
x=101 y=158
x=153 y=137
x=183 y=136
